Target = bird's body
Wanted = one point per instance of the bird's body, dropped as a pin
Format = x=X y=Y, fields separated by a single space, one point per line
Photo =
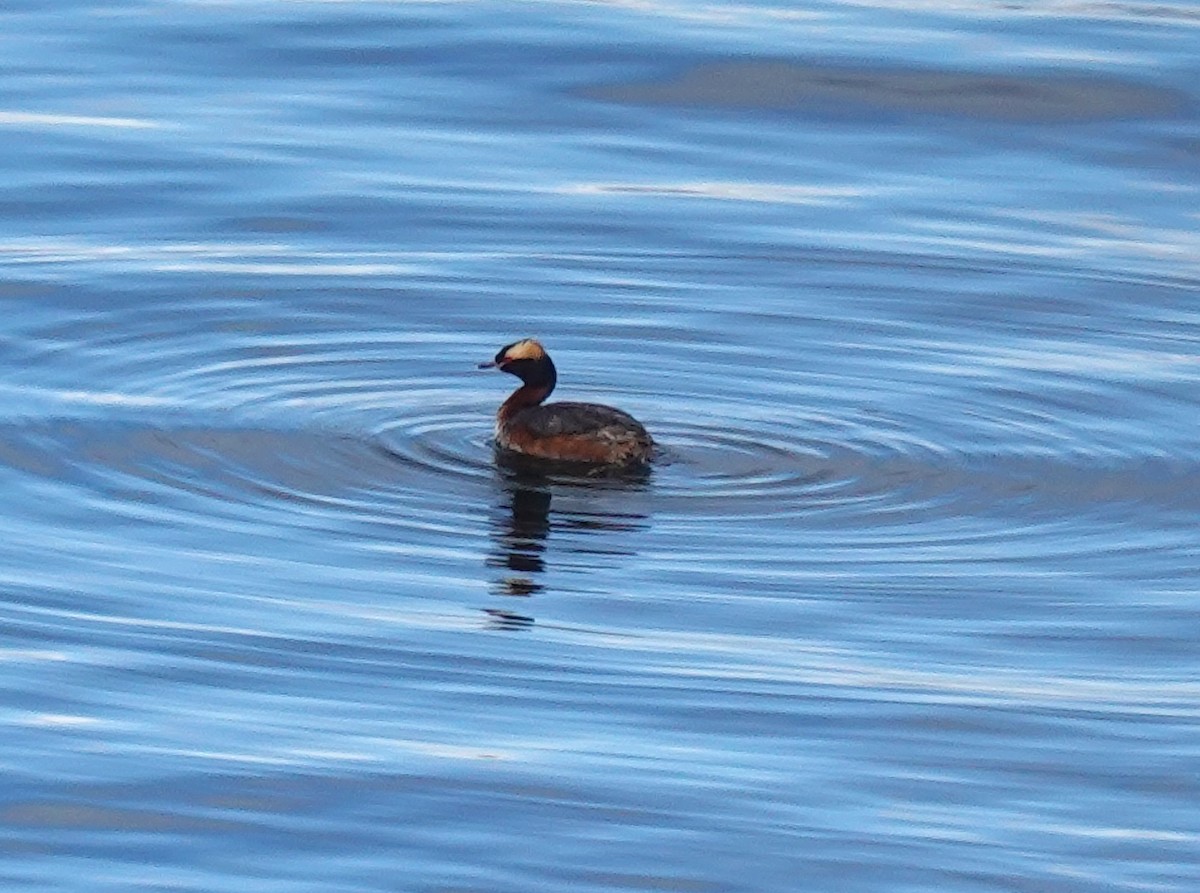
x=561 y=432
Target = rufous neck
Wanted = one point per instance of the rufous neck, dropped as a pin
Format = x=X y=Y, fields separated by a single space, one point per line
x=523 y=397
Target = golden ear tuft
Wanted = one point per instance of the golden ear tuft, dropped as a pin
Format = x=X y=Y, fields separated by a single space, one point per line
x=529 y=349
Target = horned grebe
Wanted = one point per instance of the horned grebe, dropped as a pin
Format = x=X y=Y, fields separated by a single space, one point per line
x=562 y=432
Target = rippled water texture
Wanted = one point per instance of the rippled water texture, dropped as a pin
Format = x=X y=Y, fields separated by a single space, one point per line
x=785 y=85
x=906 y=293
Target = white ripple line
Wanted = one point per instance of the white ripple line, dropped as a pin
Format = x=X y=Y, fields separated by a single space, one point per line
x=767 y=193
x=44 y=119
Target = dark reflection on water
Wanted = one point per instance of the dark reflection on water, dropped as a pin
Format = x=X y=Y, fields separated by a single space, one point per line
x=519 y=529
x=795 y=85
x=523 y=520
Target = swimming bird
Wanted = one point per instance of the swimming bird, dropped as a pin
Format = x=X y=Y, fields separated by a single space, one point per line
x=562 y=432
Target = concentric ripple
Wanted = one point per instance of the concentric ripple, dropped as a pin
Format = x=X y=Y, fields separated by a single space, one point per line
x=909 y=435
x=454 y=441
x=418 y=468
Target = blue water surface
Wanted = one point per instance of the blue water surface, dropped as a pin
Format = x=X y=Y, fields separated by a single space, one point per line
x=907 y=293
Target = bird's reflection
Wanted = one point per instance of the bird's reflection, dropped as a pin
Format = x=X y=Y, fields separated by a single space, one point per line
x=520 y=536
x=521 y=526
x=508 y=620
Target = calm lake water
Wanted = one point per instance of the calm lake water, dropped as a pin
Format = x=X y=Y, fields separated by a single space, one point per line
x=909 y=294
